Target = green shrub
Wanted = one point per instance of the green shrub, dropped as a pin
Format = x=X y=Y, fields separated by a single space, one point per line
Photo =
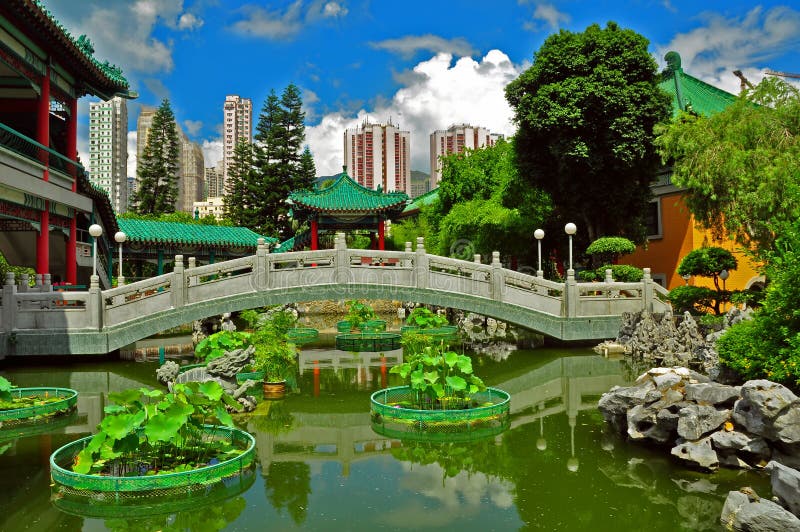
x=695 y=299
x=217 y=344
x=425 y=318
x=622 y=273
x=751 y=298
x=756 y=349
x=609 y=248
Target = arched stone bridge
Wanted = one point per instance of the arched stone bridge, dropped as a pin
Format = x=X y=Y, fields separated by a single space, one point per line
x=39 y=320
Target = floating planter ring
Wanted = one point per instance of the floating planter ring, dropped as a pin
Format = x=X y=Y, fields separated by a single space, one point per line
x=473 y=434
x=373 y=326
x=385 y=408
x=67 y=399
x=368 y=342
x=185 y=481
x=302 y=335
x=244 y=376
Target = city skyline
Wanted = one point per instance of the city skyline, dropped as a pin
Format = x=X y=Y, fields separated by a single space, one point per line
x=365 y=60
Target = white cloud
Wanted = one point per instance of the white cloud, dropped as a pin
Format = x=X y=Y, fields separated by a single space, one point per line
x=334 y=10
x=283 y=24
x=712 y=51
x=192 y=127
x=410 y=44
x=157 y=87
x=132 y=153
x=550 y=14
x=440 y=94
x=188 y=21
x=212 y=151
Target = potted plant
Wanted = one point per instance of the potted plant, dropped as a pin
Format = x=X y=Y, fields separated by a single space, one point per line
x=275 y=356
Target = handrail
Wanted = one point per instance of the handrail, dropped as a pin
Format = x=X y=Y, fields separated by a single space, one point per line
x=29 y=148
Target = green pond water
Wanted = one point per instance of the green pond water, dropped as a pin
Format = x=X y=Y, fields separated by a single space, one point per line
x=322 y=467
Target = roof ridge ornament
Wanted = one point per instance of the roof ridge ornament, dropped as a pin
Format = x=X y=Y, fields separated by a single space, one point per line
x=673 y=60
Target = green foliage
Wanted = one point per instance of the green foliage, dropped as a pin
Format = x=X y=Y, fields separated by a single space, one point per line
x=18 y=271
x=408 y=229
x=5 y=389
x=586 y=110
x=740 y=165
x=709 y=262
x=610 y=248
x=483 y=206
x=288 y=486
x=157 y=169
x=751 y=298
x=442 y=379
x=219 y=343
x=695 y=299
x=622 y=273
x=425 y=318
x=265 y=172
x=177 y=217
x=147 y=431
x=274 y=355
x=358 y=313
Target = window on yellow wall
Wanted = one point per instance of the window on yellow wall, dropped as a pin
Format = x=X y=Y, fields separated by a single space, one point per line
x=653 y=220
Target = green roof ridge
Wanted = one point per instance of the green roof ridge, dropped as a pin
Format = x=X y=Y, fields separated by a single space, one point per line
x=423 y=200
x=345 y=194
x=704 y=98
x=183 y=233
x=84 y=45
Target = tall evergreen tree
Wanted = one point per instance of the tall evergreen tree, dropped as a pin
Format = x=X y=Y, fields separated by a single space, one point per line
x=308 y=170
x=239 y=199
x=157 y=170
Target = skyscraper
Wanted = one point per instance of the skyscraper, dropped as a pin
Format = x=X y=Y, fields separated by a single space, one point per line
x=455 y=139
x=379 y=155
x=108 y=149
x=143 y=124
x=191 y=175
x=214 y=185
x=238 y=127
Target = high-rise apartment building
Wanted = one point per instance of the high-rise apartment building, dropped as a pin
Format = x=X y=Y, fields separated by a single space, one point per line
x=143 y=124
x=214 y=185
x=379 y=155
x=237 y=127
x=191 y=175
x=456 y=139
x=108 y=149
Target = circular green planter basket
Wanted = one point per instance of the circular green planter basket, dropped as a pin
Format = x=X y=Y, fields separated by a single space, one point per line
x=136 y=508
x=343 y=326
x=302 y=335
x=373 y=326
x=368 y=342
x=492 y=412
x=241 y=378
x=108 y=487
x=67 y=399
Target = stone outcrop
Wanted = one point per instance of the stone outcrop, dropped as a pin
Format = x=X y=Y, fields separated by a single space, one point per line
x=705 y=424
x=659 y=340
x=745 y=510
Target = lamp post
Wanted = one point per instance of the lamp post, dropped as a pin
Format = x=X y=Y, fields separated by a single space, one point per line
x=95 y=230
x=120 y=237
x=570 y=229
x=724 y=276
x=686 y=278
x=539 y=234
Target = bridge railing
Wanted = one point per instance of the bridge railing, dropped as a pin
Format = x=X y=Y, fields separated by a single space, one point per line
x=41 y=308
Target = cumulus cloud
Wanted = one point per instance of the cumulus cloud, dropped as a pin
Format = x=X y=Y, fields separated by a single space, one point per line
x=192 y=127
x=410 y=44
x=720 y=45
x=281 y=24
x=440 y=94
x=212 y=151
x=189 y=21
x=546 y=13
x=157 y=87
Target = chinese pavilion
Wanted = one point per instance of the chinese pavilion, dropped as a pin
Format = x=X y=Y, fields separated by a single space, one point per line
x=344 y=206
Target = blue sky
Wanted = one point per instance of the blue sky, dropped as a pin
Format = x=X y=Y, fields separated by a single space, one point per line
x=425 y=65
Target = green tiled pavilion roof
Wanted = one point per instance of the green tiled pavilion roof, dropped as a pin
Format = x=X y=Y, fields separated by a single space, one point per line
x=422 y=201
x=687 y=90
x=79 y=49
x=345 y=195
x=149 y=231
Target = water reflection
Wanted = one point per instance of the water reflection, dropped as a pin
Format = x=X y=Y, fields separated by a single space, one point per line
x=323 y=467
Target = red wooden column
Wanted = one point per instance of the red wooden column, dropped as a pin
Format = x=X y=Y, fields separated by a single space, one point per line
x=43 y=137
x=381 y=229
x=71 y=258
x=314 y=234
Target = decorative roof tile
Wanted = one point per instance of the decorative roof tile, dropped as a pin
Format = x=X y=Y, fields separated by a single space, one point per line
x=149 y=231
x=345 y=195
x=422 y=201
x=689 y=93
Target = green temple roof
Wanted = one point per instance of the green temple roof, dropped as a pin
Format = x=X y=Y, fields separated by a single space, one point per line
x=347 y=196
x=149 y=231
x=424 y=200
x=689 y=93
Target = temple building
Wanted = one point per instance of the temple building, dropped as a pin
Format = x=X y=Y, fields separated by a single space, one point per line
x=47 y=201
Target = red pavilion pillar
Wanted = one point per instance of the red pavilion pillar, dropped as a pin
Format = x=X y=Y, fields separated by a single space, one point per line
x=381 y=229
x=43 y=137
x=71 y=258
x=314 y=234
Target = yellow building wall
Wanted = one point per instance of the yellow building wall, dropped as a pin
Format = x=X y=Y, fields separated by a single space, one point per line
x=680 y=235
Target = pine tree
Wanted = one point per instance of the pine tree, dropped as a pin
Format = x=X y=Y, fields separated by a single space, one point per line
x=308 y=170
x=238 y=201
x=157 y=171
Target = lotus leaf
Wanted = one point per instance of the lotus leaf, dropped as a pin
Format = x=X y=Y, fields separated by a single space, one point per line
x=451 y=358
x=162 y=427
x=83 y=462
x=128 y=444
x=431 y=376
x=223 y=416
x=438 y=389
x=465 y=364
x=153 y=394
x=417 y=379
x=456 y=383
x=211 y=389
x=125 y=397
x=120 y=425
x=114 y=409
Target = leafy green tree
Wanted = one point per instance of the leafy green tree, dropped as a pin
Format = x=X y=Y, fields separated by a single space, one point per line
x=741 y=165
x=709 y=262
x=610 y=248
x=483 y=206
x=586 y=110
x=157 y=170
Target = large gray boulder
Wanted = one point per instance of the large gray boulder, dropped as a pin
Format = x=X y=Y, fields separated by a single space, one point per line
x=752 y=448
x=748 y=512
x=658 y=425
x=785 y=485
x=614 y=404
x=699 y=454
x=694 y=421
x=762 y=403
x=712 y=393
